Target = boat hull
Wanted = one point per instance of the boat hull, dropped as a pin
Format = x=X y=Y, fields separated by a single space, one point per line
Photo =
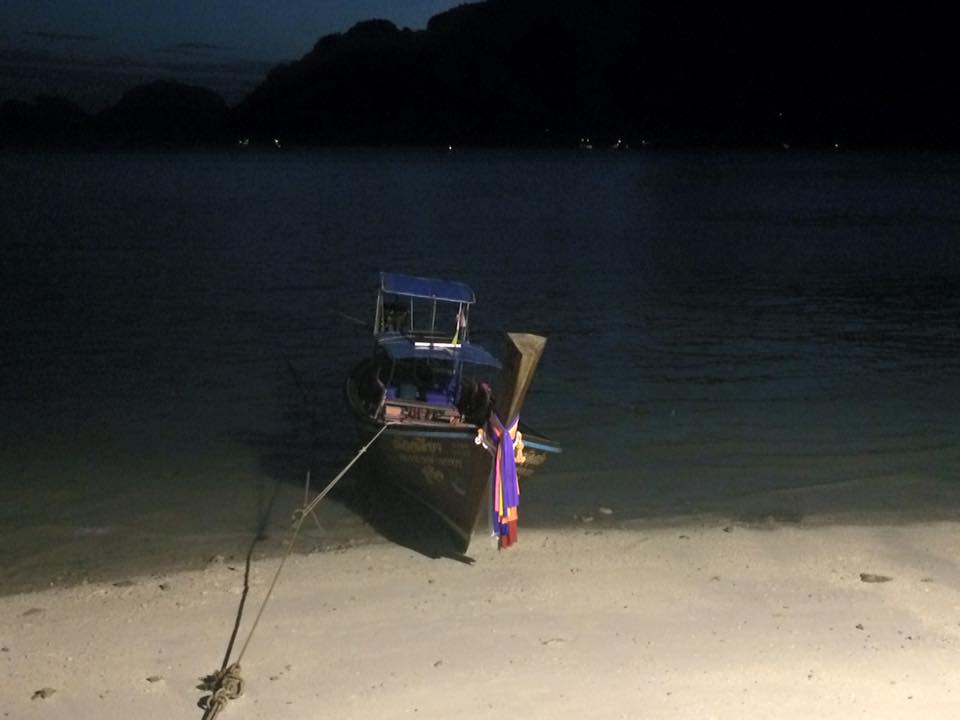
x=441 y=466
x=446 y=471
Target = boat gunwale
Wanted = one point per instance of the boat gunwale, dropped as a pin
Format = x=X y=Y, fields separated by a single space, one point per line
x=531 y=438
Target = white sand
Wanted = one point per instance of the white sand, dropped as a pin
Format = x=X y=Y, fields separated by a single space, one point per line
x=689 y=620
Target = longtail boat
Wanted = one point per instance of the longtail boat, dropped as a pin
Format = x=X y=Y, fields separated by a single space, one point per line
x=438 y=400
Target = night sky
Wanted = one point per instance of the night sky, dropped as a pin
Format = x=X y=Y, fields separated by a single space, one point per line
x=92 y=50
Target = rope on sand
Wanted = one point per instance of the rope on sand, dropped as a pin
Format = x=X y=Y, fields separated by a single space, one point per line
x=227 y=684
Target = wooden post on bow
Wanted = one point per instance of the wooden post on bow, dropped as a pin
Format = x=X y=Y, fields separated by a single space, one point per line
x=521 y=355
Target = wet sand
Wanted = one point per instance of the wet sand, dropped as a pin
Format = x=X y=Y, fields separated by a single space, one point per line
x=689 y=618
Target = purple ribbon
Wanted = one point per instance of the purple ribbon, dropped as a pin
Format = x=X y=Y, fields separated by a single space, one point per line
x=503 y=475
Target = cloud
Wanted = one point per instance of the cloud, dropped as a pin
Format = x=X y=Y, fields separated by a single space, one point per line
x=194 y=48
x=60 y=37
x=199 y=46
x=186 y=66
x=250 y=68
x=18 y=56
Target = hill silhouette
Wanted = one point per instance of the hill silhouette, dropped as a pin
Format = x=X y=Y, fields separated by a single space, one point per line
x=161 y=113
x=519 y=72
x=48 y=120
x=532 y=71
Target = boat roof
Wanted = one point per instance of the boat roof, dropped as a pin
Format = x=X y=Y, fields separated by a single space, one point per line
x=402 y=347
x=411 y=286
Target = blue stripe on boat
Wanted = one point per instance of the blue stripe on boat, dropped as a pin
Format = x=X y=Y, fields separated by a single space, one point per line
x=469 y=436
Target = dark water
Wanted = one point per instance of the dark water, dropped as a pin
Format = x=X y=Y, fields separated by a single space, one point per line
x=720 y=325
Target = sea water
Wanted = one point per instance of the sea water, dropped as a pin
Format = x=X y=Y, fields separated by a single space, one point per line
x=722 y=326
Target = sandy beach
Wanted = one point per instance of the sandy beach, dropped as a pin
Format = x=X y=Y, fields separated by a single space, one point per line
x=692 y=618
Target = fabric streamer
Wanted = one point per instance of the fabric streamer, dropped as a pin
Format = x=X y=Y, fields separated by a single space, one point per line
x=506 y=487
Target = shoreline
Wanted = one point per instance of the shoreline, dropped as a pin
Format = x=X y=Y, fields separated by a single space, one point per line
x=690 y=620
x=114 y=553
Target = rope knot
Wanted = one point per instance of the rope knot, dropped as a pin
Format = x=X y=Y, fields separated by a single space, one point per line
x=224 y=685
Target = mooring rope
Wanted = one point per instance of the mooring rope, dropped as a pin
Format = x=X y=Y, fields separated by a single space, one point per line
x=226 y=684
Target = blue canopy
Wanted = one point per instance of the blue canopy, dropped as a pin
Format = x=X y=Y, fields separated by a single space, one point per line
x=411 y=286
x=401 y=347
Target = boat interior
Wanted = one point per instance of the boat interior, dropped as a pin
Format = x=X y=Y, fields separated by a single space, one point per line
x=424 y=368
x=422 y=391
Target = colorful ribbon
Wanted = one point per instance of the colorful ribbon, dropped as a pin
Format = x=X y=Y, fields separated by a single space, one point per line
x=506 y=487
